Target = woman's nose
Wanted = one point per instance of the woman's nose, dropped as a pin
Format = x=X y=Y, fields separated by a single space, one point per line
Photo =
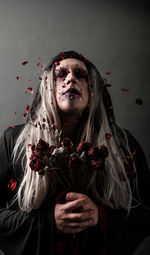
x=71 y=78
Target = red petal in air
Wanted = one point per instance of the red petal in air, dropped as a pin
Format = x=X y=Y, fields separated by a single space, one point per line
x=40 y=78
x=24 y=115
x=11 y=126
x=31 y=90
x=28 y=108
x=38 y=63
x=24 y=63
x=108 y=73
x=139 y=101
x=12 y=184
x=108 y=136
x=107 y=84
x=126 y=90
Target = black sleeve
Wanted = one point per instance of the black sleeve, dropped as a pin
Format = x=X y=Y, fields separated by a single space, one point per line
x=21 y=233
x=138 y=220
x=126 y=231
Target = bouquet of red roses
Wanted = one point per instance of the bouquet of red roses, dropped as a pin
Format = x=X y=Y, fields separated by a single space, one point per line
x=72 y=167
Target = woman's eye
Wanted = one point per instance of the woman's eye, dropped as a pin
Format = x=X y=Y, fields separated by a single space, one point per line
x=80 y=73
x=61 y=73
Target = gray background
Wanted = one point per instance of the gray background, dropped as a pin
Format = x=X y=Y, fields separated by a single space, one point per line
x=114 y=35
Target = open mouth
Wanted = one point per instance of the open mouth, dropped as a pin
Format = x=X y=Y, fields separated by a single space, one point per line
x=73 y=91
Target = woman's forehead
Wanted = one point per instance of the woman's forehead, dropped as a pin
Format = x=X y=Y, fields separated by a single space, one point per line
x=71 y=62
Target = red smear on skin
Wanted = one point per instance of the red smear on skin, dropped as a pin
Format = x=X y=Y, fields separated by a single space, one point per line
x=108 y=136
x=126 y=90
x=139 y=101
x=107 y=84
x=24 y=115
x=28 y=108
x=52 y=102
x=31 y=90
x=38 y=63
x=108 y=73
x=12 y=184
x=24 y=63
x=11 y=126
x=63 y=79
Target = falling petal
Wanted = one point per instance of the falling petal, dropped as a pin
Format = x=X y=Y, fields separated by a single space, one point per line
x=40 y=78
x=11 y=126
x=24 y=115
x=108 y=73
x=126 y=90
x=31 y=90
x=38 y=63
x=139 y=101
x=108 y=136
x=12 y=184
x=27 y=108
x=29 y=80
x=107 y=84
x=24 y=63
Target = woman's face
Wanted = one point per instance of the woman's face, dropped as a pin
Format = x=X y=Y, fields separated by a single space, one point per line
x=72 y=92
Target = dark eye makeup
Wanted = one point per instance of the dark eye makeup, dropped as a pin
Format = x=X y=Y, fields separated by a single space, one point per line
x=79 y=73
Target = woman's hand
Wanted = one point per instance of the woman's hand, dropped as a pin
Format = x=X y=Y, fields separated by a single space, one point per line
x=78 y=213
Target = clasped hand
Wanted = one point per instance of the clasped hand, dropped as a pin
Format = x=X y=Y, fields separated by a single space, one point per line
x=78 y=213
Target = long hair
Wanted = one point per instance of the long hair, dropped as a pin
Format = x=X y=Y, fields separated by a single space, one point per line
x=112 y=186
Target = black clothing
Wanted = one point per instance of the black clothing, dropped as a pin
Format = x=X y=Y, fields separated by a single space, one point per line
x=23 y=233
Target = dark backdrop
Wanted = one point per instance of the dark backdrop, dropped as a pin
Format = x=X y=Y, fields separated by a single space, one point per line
x=113 y=34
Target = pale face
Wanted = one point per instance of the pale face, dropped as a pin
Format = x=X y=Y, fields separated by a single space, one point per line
x=72 y=92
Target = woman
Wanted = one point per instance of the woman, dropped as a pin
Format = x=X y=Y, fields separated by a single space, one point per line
x=72 y=101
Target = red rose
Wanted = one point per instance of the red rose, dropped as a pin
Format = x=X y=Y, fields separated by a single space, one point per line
x=67 y=144
x=42 y=144
x=97 y=164
x=98 y=153
x=84 y=146
x=74 y=162
x=104 y=151
x=50 y=150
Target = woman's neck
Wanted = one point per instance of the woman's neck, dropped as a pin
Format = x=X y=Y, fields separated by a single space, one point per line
x=69 y=125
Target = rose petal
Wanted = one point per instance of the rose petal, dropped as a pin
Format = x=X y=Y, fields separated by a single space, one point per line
x=139 y=101
x=31 y=90
x=108 y=136
x=126 y=90
x=24 y=63
x=108 y=73
x=12 y=184
x=27 y=108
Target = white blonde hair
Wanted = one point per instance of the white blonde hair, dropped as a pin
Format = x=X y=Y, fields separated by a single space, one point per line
x=111 y=187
